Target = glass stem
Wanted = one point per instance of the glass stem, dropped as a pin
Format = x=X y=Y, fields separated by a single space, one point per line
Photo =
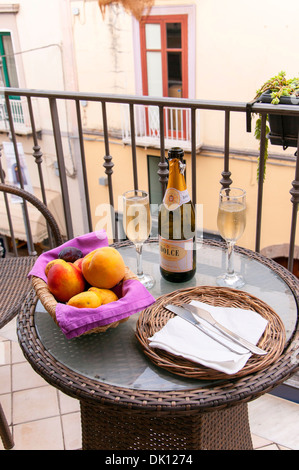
x=139 y=259
x=230 y=258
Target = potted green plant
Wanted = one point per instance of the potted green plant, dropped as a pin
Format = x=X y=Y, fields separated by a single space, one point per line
x=281 y=130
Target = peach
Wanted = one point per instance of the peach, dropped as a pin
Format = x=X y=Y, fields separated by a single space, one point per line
x=103 y=267
x=51 y=263
x=78 y=263
x=85 y=300
x=106 y=295
x=65 y=281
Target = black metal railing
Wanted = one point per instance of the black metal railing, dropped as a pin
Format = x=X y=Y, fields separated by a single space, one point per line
x=162 y=104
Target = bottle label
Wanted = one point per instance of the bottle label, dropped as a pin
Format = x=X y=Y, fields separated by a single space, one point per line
x=176 y=255
x=174 y=198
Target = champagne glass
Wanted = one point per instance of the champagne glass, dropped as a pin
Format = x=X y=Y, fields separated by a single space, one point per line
x=231 y=223
x=137 y=226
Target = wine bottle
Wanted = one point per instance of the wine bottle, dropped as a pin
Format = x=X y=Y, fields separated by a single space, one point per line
x=176 y=224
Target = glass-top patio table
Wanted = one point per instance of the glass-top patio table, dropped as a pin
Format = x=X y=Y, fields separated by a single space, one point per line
x=127 y=402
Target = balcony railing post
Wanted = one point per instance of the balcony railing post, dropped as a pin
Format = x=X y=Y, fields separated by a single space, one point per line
x=226 y=180
x=133 y=144
x=61 y=166
x=108 y=165
x=9 y=219
x=260 y=183
x=163 y=166
x=193 y=154
x=37 y=153
x=83 y=164
x=295 y=200
x=30 y=244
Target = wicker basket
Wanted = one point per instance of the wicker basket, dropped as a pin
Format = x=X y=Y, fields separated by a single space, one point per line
x=153 y=318
x=49 y=302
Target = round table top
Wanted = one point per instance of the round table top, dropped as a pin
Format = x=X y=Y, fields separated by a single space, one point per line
x=109 y=364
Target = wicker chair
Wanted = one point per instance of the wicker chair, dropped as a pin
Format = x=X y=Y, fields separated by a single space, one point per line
x=14 y=284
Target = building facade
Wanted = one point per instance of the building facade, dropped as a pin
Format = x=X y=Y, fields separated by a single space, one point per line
x=208 y=50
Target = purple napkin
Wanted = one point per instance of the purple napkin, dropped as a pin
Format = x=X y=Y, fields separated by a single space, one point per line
x=75 y=321
x=133 y=296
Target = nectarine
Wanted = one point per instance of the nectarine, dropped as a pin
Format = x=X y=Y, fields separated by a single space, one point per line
x=103 y=267
x=78 y=263
x=106 y=295
x=85 y=300
x=65 y=281
x=51 y=263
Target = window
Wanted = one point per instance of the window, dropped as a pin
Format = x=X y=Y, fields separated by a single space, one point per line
x=9 y=78
x=164 y=63
x=155 y=187
x=164 y=56
x=8 y=72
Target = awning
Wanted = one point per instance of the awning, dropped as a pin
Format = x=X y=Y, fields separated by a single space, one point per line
x=37 y=221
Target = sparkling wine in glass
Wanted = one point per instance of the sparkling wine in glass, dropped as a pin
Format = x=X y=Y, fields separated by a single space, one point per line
x=137 y=226
x=231 y=223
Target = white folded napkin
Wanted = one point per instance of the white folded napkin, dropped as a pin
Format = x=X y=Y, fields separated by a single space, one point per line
x=181 y=338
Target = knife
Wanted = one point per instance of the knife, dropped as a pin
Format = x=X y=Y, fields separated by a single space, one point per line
x=205 y=315
x=186 y=315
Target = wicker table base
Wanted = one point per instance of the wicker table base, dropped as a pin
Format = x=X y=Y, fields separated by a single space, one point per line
x=112 y=428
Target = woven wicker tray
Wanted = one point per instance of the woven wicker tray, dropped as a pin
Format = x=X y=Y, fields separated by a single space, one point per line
x=49 y=302
x=156 y=316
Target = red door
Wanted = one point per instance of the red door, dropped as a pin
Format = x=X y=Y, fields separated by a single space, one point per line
x=164 y=61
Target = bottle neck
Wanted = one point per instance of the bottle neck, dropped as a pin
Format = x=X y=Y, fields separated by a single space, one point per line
x=176 y=177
